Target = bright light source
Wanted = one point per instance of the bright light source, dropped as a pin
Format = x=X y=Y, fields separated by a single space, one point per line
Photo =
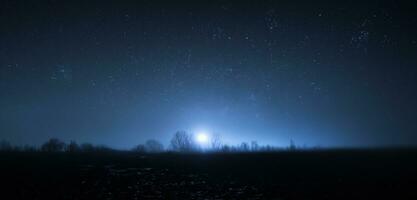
x=202 y=138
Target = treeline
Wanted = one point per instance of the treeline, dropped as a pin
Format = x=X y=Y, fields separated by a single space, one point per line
x=184 y=142
x=55 y=145
x=181 y=141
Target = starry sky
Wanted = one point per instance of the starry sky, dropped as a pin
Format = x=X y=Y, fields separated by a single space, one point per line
x=331 y=74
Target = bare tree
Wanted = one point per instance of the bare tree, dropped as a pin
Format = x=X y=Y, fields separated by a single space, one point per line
x=87 y=147
x=29 y=148
x=53 y=145
x=216 y=142
x=139 y=148
x=292 y=146
x=268 y=148
x=182 y=142
x=254 y=146
x=73 y=147
x=153 y=146
x=102 y=148
x=244 y=147
x=226 y=148
x=5 y=146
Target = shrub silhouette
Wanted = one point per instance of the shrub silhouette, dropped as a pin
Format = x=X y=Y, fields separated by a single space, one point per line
x=5 y=146
x=102 y=148
x=53 y=145
x=73 y=147
x=254 y=146
x=140 y=148
x=153 y=146
x=226 y=148
x=292 y=146
x=87 y=147
x=29 y=148
x=244 y=147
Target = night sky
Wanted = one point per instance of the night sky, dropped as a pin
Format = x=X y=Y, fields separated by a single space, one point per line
x=332 y=74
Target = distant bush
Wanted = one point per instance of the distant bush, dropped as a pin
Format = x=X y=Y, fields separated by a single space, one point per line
x=87 y=147
x=90 y=148
x=73 y=147
x=225 y=148
x=244 y=147
x=29 y=148
x=153 y=146
x=102 y=148
x=254 y=146
x=53 y=145
x=140 y=148
x=5 y=146
x=292 y=146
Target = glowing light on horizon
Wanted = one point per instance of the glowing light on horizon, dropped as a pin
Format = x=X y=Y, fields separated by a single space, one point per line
x=202 y=138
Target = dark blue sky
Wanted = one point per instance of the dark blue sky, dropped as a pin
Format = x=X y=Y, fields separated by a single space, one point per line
x=118 y=73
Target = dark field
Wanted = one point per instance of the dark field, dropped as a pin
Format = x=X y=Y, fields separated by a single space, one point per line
x=342 y=174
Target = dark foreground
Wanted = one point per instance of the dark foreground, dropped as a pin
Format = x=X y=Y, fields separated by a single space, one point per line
x=377 y=174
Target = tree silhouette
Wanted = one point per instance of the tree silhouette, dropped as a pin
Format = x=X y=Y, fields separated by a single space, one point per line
x=153 y=146
x=139 y=148
x=29 y=148
x=216 y=142
x=226 y=148
x=292 y=146
x=87 y=147
x=182 y=142
x=254 y=146
x=53 y=145
x=102 y=148
x=5 y=146
x=244 y=147
x=73 y=147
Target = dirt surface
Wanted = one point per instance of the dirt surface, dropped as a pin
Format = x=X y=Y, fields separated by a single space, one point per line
x=285 y=175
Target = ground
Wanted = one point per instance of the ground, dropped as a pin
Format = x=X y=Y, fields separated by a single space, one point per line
x=337 y=174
